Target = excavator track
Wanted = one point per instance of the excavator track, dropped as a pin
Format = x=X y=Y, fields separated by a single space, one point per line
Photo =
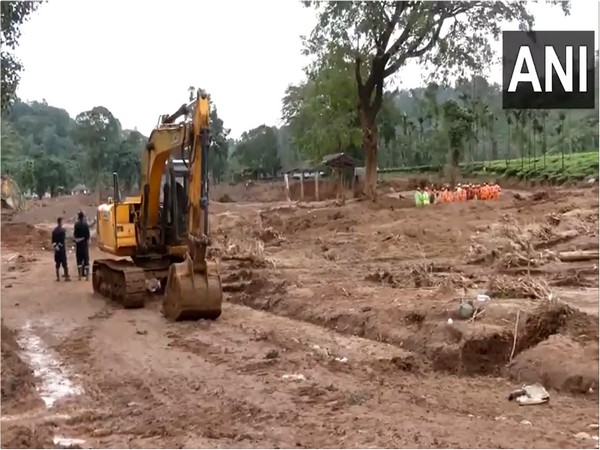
x=121 y=281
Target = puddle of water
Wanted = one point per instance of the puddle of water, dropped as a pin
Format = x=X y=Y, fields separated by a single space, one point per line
x=67 y=442
x=54 y=381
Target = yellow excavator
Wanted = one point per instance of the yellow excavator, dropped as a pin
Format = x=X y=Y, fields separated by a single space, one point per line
x=164 y=233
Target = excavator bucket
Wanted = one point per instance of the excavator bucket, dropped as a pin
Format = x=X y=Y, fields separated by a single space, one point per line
x=192 y=295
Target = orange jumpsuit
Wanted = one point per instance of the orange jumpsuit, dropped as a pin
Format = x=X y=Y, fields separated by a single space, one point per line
x=495 y=191
x=485 y=192
x=447 y=196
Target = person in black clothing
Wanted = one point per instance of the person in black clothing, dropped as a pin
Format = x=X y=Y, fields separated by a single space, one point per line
x=60 y=250
x=81 y=233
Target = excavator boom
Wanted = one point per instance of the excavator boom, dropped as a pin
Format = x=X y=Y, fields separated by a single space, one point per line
x=194 y=285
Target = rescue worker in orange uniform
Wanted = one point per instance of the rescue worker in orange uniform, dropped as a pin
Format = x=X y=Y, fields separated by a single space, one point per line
x=442 y=195
x=463 y=194
x=457 y=192
x=485 y=192
x=447 y=195
x=477 y=192
x=495 y=191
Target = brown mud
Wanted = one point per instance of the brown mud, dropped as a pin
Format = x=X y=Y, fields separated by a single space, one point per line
x=342 y=327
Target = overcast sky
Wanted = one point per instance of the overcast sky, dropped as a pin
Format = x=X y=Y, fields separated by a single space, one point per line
x=138 y=57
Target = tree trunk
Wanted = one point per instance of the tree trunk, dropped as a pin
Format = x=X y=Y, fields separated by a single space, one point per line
x=494 y=148
x=580 y=255
x=99 y=190
x=369 y=129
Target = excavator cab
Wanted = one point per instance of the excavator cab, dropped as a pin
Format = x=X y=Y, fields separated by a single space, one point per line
x=174 y=202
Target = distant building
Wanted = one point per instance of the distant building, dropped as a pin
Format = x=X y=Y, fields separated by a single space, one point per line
x=80 y=189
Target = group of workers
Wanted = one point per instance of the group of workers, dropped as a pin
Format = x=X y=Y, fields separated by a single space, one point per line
x=461 y=193
x=81 y=236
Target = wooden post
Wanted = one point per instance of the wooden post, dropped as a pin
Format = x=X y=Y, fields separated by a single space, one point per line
x=317 y=185
x=302 y=185
x=287 y=187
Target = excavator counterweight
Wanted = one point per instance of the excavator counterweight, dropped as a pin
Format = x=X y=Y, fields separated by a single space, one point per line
x=162 y=234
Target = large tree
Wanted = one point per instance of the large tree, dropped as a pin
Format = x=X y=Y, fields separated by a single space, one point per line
x=321 y=112
x=380 y=37
x=99 y=133
x=127 y=159
x=13 y=15
x=257 y=150
x=218 y=158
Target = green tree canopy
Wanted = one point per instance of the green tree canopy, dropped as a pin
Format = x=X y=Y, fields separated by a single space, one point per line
x=13 y=15
x=219 y=155
x=378 y=38
x=99 y=133
x=321 y=112
x=257 y=150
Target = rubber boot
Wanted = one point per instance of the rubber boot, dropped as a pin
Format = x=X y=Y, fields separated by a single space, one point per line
x=87 y=273
x=57 y=275
x=79 y=272
x=67 y=277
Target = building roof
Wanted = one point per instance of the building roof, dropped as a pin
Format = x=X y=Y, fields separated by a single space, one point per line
x=339 y=161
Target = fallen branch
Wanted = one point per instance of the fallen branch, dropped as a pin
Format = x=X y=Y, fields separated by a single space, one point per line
x=558 y=239
x=238 y=258
x=512 y=352
x=476 y=315
x=579 y=255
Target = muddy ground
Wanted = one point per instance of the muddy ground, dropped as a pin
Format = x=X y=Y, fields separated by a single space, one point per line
x=335 y=331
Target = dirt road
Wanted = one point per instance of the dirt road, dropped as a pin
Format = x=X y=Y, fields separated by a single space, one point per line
x=334 y=333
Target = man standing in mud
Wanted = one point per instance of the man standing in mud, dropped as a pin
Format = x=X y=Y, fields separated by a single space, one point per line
x=60 y=250
x=81 y=233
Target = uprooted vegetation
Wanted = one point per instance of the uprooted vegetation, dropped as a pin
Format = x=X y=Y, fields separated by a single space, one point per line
x=420 y=275
x=509 y=244
x=507 y=287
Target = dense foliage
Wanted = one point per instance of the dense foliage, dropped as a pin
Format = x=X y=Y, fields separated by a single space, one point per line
x=376 y=39
x=46 y=150
x=13 y=15
x=342 y=105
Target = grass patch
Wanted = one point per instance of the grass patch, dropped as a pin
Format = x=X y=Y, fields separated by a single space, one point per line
x=576 y=166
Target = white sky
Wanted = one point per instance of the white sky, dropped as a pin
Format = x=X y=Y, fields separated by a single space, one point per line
x=138 y=57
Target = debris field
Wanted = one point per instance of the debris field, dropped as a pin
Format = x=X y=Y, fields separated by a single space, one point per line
x=345 y=324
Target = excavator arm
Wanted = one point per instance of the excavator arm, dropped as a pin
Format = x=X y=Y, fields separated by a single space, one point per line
x=198 y=191
x=165 y=141
x=194 y=286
